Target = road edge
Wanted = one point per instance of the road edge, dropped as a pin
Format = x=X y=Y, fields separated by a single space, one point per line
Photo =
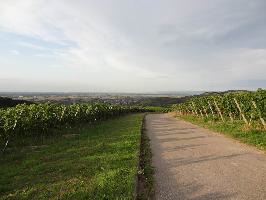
x=144 y=187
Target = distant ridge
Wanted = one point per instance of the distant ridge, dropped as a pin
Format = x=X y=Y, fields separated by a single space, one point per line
x=8 y=102
x=222 y=92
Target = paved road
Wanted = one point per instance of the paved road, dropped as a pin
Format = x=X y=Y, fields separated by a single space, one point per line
x=195 y=163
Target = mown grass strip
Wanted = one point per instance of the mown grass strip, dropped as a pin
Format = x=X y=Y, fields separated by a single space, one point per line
x=95 y=162
x=236 y=129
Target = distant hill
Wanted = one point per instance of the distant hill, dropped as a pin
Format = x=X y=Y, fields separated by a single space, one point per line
x=223 y=92
x=160 y=101
x=185 y=98
x=8 y=102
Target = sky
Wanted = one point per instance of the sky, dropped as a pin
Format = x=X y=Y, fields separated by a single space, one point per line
x=132 y=46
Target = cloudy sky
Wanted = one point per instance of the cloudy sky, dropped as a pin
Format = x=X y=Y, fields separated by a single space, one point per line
x=132 y=45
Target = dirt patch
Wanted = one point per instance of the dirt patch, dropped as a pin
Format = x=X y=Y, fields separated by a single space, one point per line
x=172 y=114
x=145 y=180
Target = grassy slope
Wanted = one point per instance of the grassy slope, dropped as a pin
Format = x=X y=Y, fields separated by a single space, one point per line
x=99 y=163
x=235 y=130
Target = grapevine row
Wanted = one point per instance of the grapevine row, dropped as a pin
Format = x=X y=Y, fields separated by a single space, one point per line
x=247 y=106
x=36 y=119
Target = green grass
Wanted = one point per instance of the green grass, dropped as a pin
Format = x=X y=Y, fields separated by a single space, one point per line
x=234 y=129
x=98 y=163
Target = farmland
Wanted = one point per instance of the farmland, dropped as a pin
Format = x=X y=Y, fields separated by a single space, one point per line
x=238 y=114
x=91 y=150
x=39 y=120
x=81 y=151
x=97 y=161
x=133 y=100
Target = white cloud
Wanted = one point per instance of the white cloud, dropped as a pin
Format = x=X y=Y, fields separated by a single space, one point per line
x=14 y=52
x=31 y=45
x=142 y=46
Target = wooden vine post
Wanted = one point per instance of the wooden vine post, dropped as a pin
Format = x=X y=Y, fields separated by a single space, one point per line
x=201 y=113
x=195 y=108
x=205 y=111
x=231 y=117
x=211 y=108
x=241 y=113
x=192 y=110
x=219 y=111
x=261 y=119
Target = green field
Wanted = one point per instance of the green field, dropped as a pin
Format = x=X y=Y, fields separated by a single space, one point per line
x=92 y=162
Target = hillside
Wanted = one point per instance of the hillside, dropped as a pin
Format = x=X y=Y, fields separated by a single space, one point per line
x=8 y=102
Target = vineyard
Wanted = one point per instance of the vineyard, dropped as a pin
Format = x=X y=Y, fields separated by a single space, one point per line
x=39 y=119
x=247 y=106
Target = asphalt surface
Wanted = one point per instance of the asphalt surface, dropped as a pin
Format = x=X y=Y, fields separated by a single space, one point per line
x=195 y=163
